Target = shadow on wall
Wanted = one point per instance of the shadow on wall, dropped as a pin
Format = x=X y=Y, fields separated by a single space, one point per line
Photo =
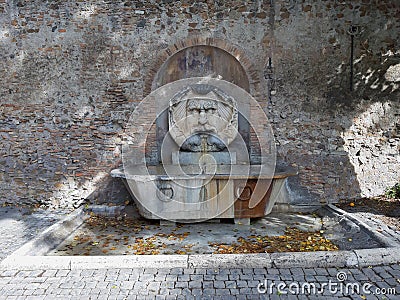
x=371 y=134
x=361 y=132
x=345 y=143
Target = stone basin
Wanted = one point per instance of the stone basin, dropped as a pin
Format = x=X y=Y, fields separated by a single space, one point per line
x=191 y=193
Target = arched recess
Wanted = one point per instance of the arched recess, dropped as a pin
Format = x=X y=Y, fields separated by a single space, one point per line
x=201 y=56
x=199 y=61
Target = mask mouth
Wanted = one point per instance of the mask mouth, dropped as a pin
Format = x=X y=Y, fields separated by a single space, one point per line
x=204 y=129
x=203 y=141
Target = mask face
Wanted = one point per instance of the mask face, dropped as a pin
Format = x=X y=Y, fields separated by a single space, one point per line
x=205 y=121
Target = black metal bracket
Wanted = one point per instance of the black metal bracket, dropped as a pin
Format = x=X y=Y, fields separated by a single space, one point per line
x=352 y=31
x=269 y=76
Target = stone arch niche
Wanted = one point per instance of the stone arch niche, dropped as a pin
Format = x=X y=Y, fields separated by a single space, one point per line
x=199 y=61
x=235 y=65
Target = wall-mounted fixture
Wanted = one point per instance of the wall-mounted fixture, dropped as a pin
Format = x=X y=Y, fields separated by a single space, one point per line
x=353 y=30
x=269 y=76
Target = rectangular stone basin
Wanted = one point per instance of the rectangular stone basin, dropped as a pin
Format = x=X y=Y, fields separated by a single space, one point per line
x=219 y=191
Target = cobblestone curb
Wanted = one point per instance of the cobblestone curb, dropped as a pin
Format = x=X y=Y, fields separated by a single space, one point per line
x=321 y=259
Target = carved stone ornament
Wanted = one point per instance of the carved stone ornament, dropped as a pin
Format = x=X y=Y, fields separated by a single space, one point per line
x=203 y=118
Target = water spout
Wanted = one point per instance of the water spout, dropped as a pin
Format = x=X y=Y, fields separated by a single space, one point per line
x=203 y=152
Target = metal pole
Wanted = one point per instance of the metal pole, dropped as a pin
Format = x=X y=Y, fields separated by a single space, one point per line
x=353 y=30
x=351 y=62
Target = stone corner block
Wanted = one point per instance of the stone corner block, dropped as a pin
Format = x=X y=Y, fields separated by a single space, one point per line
x=378 y=256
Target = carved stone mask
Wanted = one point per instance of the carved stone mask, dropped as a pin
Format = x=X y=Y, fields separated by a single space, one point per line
x=203 y=118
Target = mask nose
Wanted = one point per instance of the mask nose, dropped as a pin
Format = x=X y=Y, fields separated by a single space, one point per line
x=203 y=118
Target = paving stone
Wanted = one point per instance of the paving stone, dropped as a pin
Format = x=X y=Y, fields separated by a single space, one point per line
x=160 y=271
x=259 y=277
x=395 y=267
x=234 y=291
x=160 y=277
x=234 y=277
x=285 y=272
x=228 y=297
x=171 y=278
x=259 y=271
x=176 y=271
x=230 y=284
x=272 y=277
x=183 y=277
x=241 y=284
x=371 y=274
x=208 y=277
x=393 y=272
x=208 y=284
x=246 y=291
x=62 y=273
x=195 y=284
x=146 y=277
x=197 y=292
x=9 y=273
x=222 y=291
x=167 y=284
x=286 y=277
x=219 y=284
x=154 y=286
x=309 y=271
x=246 y=277
x=393 y=281
x=298 y=278
x=321 y=278
x=221 y=277
x=209 y=291
x=224 y=272
x=181 y=284
x=186 y=292
x=188 y=271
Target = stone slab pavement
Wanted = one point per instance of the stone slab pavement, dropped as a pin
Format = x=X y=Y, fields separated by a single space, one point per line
x=375 y=282
x=18 y=225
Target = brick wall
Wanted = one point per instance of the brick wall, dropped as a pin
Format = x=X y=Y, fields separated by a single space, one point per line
x=73 y=71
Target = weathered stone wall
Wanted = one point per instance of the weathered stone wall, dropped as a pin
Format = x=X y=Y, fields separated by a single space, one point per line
x=73 y=71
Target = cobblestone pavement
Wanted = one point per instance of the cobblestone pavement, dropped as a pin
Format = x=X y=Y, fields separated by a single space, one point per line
x=17 y=226
x=181 y=283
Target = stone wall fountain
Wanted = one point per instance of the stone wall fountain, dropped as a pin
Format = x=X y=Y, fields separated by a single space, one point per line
x=201 y=148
